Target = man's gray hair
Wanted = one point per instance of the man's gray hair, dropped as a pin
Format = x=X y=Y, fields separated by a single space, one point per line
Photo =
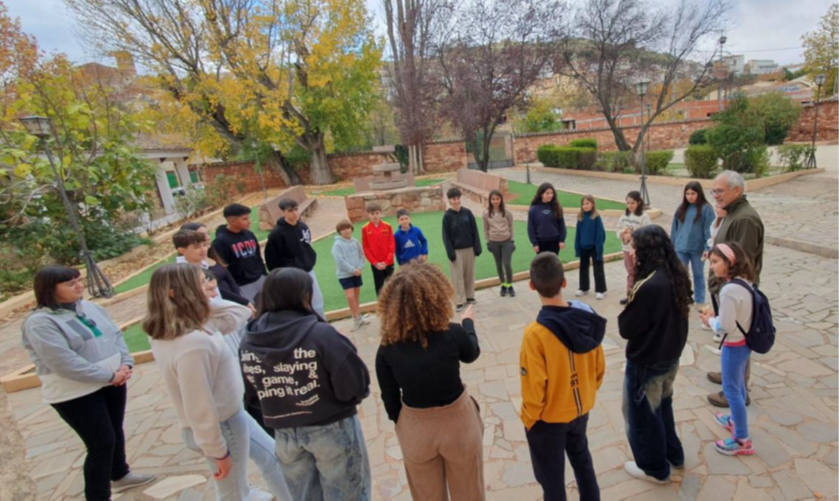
x=734 y=179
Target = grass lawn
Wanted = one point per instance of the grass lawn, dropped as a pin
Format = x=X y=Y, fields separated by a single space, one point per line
x=569 y=201
x=351 y=190
x=431 y=225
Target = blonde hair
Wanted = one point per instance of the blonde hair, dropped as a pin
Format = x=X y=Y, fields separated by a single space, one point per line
x=594 y=213
x=176 y=302
x=415 y=302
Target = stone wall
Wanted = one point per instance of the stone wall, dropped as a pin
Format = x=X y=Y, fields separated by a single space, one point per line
x=428 y=199
x=242 y=172
x=665 y=136
x=349 y=166
x=447 y=156
x=828 y=126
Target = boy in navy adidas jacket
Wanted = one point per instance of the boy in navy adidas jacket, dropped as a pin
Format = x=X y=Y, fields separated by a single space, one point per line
x=410 y=242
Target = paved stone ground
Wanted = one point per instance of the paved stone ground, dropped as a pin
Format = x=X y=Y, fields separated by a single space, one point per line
x=793 y=412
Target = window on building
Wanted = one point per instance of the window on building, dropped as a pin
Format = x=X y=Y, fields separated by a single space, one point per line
x=174 y=180
x=195 y=176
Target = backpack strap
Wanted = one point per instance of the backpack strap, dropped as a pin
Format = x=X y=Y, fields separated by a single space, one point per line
x=742 y=283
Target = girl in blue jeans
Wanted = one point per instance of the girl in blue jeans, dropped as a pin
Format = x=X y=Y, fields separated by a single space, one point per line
x=732 y=322
x=690 y=232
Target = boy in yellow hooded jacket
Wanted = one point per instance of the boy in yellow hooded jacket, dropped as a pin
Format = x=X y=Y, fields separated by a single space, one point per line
x=562 y=367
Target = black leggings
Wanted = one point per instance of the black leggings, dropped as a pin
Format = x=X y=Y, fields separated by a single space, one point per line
x=549 y=246
x=97 y=418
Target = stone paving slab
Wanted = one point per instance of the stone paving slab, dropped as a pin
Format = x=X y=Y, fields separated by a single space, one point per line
x=794 y=425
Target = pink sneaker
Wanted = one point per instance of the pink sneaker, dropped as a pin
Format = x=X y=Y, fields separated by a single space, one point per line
x=725 y=421
x=733 y=447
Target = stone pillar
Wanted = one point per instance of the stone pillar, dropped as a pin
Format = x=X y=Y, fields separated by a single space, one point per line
x=183 y=172
x=163 y=188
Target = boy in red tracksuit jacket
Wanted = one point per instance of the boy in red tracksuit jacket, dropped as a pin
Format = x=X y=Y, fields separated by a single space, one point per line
x=379 y=246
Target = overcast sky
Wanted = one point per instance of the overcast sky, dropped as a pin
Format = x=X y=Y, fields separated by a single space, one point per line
x=759 y=29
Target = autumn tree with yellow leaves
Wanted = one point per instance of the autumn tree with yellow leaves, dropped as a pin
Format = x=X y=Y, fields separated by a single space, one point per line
x=281 y=72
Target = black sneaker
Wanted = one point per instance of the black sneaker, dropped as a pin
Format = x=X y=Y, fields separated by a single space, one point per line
x=624 y=301
x=459 y=308
x=503 y=291
x=470 y=300
x=511 y=291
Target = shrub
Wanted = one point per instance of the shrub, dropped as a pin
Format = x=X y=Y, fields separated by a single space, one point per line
x=738 y=147
x=567 y=157
x=778 y=114
x=584 y=143
x=614 y=161
x=657 y=161
x=793 y=156
x=222 y=188
x=698 y=137
x=701 y=161
x=193 y=202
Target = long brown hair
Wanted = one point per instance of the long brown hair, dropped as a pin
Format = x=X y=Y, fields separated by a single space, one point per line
x=501 y=207
x=700 y=201
x=176 y=302
x=742 y=267
x=556 y=207
x=414 y=303
x=594 y=213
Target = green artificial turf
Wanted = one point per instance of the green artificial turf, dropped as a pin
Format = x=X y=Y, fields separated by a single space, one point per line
x=350 y=190
x=431 y=225
x=569 y=201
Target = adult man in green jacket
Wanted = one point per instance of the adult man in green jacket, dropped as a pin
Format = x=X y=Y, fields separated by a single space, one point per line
x=743 y=226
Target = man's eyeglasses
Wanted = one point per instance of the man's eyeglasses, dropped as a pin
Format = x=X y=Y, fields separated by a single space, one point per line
x=716 y=192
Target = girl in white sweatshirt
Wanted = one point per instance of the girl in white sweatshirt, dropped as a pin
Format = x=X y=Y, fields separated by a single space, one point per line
x=731 y=322
x=204 y=380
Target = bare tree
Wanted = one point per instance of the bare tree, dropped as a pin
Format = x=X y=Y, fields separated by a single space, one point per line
x=619 y=42
x=411 y=25
x=489 y=56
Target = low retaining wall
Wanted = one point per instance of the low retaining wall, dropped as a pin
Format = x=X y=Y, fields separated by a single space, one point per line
x=427 y=199
x=751 y=184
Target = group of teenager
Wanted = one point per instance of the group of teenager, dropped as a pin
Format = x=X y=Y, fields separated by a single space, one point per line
x=255 y=372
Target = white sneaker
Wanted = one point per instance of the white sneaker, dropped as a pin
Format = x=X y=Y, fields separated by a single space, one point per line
x=717 y=337
x=704 y=327
x=581 y=293
x=638 y=473
x=365 y=319
x=259 y=495
x=131 y=480
x=356 y=324
x=600 y=295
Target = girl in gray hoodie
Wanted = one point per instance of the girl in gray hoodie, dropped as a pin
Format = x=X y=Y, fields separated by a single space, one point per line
x=349 y=263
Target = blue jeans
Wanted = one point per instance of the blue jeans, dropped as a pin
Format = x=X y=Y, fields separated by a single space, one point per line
x=648 y=412
x=325 y=462
x=694 y=261
x=245 y=439
x=734 y=360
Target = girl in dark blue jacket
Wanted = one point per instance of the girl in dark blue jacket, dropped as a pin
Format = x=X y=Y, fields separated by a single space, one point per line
x=588 y=246
x=545 y=222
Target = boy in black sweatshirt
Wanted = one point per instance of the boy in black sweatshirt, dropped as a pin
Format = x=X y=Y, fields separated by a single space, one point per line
x=463 y=245
x=239 y=248
x=290 y=246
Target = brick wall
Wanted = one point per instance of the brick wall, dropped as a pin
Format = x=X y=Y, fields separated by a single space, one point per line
x=242 y=172
x=446 y=156
x=828 y=126
x=427 y=199
x=352 y=165
x=661 y=137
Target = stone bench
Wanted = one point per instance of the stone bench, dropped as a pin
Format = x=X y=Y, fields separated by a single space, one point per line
x=362 y=184
x=269 y=211
x=476 y=185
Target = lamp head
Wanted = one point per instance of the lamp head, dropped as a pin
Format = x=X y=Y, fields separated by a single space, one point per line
x=641 y=87
x=819 y=79
x=37 y=126
x=723 y=39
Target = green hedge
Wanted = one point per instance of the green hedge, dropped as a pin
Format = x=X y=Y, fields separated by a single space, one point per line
x=567 y=157
x=614 y=161
x=656 y=161
x=698 y=137
x=584 y=143
x=701 y=161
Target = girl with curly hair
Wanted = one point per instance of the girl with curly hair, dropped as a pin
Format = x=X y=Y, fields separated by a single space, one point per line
x=438 y=424
x=655 y=324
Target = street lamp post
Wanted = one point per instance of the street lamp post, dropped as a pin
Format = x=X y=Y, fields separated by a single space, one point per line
x=641 y=88
x=811 y=160
x=97 y=283
x=723 y=39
